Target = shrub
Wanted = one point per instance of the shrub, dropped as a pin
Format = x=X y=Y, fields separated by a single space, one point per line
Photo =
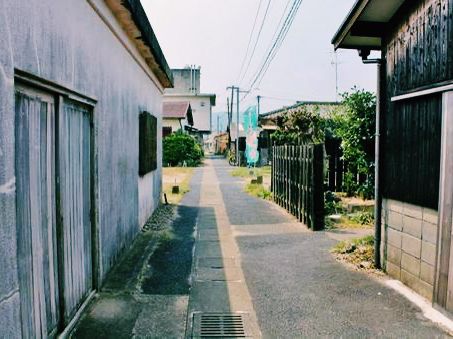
x=179 y=148
x=356 y=128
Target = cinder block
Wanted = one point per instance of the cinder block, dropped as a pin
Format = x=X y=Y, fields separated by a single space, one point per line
x=418 y=285
x=411 y=245
x=412 y=226
x=395 y=220
x=429 y=253
x=410 y=264
x=394 y=237
x=429 y=232
x=427 y=273
x=430 y=216
x=394 y=205
x=413 y=211
x=394 y=254
x=393 y=270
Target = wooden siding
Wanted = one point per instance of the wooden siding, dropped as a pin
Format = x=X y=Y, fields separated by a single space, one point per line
x=418 y=55
x=419 y=49
x=411 y=159
x=36 y=220
x=74 y=170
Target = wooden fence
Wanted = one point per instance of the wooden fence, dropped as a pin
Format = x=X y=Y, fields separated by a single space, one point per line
x=298 y=180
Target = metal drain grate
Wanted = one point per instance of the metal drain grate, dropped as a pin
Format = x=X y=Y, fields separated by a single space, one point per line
x=220 y=325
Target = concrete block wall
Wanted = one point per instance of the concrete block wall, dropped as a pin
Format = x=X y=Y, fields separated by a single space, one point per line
x=409 y=235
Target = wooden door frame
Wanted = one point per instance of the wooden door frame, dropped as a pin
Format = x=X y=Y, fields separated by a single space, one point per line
x=61 y=93
x=443 y=279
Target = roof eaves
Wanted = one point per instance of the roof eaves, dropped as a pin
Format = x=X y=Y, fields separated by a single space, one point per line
x=149 y=39
x=348 y=22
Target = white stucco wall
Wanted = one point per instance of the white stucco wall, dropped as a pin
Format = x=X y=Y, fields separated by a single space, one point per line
x=173 y=123
x=68 y=43
x=201 y=109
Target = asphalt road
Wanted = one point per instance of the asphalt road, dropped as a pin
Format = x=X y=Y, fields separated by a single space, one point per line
x=299 y=290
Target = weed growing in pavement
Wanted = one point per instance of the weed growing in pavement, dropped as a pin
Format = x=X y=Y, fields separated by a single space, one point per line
x=259 y=191
x=359 y=252
x=362 y=218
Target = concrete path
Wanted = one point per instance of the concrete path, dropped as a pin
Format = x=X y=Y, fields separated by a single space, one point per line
x=283 y=274
x=234 y=261
x=146 y=294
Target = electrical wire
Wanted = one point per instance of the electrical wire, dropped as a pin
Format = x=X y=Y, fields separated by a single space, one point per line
x=250 y=39
x=276 y=45
x=256 y=41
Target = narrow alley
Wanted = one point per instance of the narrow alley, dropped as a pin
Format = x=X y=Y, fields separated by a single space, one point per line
x=253 y=272
x=292 y=285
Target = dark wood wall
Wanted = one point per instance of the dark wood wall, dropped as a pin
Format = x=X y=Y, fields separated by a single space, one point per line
x=418 y=55
x=419 y=48
x=412 y=151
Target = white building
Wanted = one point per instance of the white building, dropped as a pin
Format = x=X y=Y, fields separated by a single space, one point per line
x=187 y=88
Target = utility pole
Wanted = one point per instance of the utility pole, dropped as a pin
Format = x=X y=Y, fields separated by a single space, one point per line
x=229 y=124
x=258 y=98
x=237 y=89
x=238 y=158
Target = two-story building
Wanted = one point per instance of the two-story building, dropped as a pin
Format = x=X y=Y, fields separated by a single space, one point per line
x=187 y=89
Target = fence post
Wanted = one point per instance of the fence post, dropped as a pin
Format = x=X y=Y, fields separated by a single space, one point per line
x=317 y=203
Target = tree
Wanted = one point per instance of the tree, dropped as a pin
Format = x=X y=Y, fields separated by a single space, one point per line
x=356 y=127
x=301 y=123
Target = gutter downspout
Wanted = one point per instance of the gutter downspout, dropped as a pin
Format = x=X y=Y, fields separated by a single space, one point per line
x=377 y=188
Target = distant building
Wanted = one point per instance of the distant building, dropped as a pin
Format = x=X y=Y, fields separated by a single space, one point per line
x=269 y=121
x=177 y=116
x=81 y=87
x=187 y=88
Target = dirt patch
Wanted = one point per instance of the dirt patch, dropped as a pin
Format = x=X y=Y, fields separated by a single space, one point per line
x=176 y=176
x=357 y=253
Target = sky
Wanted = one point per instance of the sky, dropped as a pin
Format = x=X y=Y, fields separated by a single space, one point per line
x=214 y=35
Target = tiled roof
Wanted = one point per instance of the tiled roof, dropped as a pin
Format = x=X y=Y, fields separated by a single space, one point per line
x=176 y=110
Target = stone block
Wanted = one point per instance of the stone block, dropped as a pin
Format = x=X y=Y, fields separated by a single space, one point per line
x=410 y=264
x=394 y=237
x=411 y=245
x=413 y=211
x=427 y=273
x=394 y=205
x=412 y=226
x=393 y=271
x=430 y=216
x=429 y=253
x=429 y=232
x=394 y=254
x=395 y=220
x=418 y=285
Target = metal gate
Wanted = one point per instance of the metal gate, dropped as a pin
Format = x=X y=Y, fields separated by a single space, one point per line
x=53 y=179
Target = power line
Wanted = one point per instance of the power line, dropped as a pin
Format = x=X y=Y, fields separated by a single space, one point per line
x=272 y=52
x=282 y=35
x=257 y=40
x=250 y=38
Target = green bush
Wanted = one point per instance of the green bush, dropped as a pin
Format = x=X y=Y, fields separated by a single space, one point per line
x=179 y=148
x=356 y=128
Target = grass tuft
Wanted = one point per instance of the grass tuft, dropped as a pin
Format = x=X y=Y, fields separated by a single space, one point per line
x=359 y=252
x=259 y=191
